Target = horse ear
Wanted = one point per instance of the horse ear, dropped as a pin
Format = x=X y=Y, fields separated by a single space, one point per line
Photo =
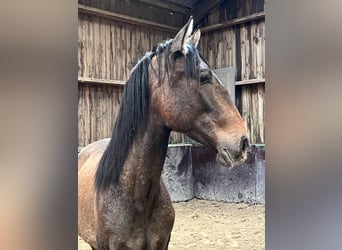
x=194 y=38
x=181 y=39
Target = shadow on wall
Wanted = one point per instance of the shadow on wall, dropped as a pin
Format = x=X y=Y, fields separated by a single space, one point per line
x=192 y=172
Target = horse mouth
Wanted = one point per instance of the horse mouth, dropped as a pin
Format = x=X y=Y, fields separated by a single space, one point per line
x=225 y=158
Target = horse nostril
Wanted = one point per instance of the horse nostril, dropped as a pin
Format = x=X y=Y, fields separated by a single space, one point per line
x=244 y=143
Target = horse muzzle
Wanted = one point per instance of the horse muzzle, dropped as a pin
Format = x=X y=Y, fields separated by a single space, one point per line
x=228 y=156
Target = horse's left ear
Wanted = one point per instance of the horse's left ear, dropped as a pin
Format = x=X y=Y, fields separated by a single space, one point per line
x=179 y=43
x=194 y=38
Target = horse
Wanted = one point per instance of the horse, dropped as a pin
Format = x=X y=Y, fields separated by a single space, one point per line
x=122 y=200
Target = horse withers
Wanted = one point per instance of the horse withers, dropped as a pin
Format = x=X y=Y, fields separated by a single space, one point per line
x=122 y=201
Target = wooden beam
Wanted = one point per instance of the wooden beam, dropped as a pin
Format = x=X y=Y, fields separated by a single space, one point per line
x=100 y=81
x=203 y=8
x=236 y=21
x=250 y=81
x=119 y=17
x=121 y=83
x=172 y=7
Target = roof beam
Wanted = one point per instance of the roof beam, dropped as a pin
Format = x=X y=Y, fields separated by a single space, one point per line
x=167 y=6
x=240 y=20
x=203 y=8
x=124 y=18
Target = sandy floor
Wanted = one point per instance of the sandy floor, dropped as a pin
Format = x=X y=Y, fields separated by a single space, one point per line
x=206 y=225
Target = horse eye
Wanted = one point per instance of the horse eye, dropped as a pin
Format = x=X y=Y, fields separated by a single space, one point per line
x=205 y=76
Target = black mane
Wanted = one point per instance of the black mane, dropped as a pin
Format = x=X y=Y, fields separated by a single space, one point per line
x=134 y=112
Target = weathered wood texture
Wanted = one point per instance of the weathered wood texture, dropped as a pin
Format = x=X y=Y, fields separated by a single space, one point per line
x=109 y=49
x=232 y=9
x=242 y=46
x=251 y=105
x=124 y=18
x=140 y=9
x=98 y=106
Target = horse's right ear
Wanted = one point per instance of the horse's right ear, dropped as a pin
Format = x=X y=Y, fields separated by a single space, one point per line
x=194 y=38
x=181 y=39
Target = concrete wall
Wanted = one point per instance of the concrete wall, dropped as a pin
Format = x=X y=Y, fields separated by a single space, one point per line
x=192 y=172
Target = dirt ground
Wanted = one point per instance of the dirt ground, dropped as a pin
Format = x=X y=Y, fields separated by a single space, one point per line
x=204 y=225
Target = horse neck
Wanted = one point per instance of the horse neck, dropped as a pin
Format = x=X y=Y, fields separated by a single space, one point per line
x=144 y=164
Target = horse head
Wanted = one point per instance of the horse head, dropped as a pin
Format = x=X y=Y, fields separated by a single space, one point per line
x=189 y=97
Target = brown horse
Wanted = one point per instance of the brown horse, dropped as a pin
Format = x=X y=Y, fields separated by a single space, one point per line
x=123 y=203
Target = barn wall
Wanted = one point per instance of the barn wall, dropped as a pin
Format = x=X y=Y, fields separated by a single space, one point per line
x=108 y=50
x=241 y=46
x=139 y=9
x=231 y=9
x=98 y=106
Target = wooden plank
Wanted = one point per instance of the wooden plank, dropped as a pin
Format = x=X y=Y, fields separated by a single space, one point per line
x=108 y=49
x=250 y=81
x=92 y=107
x=253 y=91
x=167 y=6
x=232 y=48
x=87 y=114
x=80 y=47
x=100 y=81
x=123 y=55
x=91 y=55
x=128 y=43
x=112 y=48
x=102 y=49
x=245 y=52
x=98 y=111
x=127 y=19
x=80 y=113
x=261 y=113
x=257 y=43
x=236 y=21
x=253 y=112
x=263 y=48
x=117 y=51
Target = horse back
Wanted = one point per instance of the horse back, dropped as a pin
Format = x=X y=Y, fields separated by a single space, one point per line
x=91 y=151
x=88 y=160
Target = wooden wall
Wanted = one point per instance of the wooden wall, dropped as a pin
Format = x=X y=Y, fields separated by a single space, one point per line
x=241 y=46
x=231 y=9
x=146 y=10
x=98 y=106
x=107 y=50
